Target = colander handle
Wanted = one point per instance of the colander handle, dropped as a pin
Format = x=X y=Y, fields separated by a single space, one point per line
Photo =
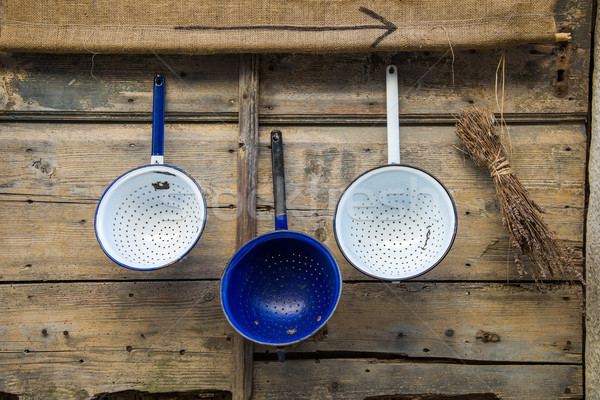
x=280 y=354
x=158 y=121
x=278 y=180
x=393 y=119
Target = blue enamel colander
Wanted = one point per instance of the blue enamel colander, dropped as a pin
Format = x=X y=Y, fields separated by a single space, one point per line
x=281 y=287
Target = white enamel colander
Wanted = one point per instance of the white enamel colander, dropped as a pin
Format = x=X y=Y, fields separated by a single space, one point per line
x=151 y=216
x=395 y=222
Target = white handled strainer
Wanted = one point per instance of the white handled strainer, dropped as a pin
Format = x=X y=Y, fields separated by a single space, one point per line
x=395 y=222
x=151 y=216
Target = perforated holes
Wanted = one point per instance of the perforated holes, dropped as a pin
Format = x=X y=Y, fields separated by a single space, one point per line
x=398 y=230
x=286 y=292
x=154 y=227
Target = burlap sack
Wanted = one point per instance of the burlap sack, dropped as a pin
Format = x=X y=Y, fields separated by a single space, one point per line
x=234 y=26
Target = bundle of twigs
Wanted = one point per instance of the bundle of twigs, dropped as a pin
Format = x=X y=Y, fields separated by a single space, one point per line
x=529 y=234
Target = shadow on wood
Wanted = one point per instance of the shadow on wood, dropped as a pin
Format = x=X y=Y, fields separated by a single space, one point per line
x=138 y=395
x=470 y=396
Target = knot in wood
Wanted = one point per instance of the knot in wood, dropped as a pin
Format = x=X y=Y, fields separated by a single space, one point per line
x=486 y=336
x=209 y=295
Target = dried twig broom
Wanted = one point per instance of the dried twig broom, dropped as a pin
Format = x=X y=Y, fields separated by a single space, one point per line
x=529 y=235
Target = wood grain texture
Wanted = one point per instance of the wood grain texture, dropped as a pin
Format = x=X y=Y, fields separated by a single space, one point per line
x=429 y=83
x=122 y=83
x=326 y=159
x=247 y=162
x=246 y=196
x=356 y=379
x=77 y=162
x=481 y=322
x=53 y=176
x=71 y=341
x=56 y=241
x=300 y=84
x=322 y=161
x=64 y=175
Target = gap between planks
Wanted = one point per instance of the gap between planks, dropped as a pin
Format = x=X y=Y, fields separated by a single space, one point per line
x=393 y=358
x=274 y=119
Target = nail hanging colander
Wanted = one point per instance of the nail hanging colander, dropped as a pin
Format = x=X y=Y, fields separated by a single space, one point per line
x=283 y=286
x=151 y=216
x=395 y=222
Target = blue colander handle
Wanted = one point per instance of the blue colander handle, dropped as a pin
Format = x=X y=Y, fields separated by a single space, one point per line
x=158 y=120
x=278 y=180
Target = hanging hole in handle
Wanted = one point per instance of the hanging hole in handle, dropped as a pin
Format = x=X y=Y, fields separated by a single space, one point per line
x=391 y=70
x=276 y=136
x=158 y=81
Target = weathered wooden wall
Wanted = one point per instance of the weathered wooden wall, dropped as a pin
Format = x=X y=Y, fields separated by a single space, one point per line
x=74 y=325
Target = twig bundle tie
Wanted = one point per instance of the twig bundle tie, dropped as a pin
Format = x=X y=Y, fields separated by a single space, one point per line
x=500 y=166
x=529 y=234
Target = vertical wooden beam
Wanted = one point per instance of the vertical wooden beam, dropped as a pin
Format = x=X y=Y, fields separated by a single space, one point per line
x=246 y=203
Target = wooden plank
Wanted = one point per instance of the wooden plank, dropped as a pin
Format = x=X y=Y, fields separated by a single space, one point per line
x=440 y=82
x=300 y=84
x=322 y=161
x=77 y=162
x=478 y=253
x=247 y=149
x=71 y=341
x=577 y=18
x=327 y=159
x=366 y=119
x=122 y=83
x=53 y=232
x=246 y=195
x=357 y=379
x=354 y=84
x=56 y=241
x=465 y=321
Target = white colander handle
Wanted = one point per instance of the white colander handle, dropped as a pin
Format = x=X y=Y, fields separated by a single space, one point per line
x=393 y=119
